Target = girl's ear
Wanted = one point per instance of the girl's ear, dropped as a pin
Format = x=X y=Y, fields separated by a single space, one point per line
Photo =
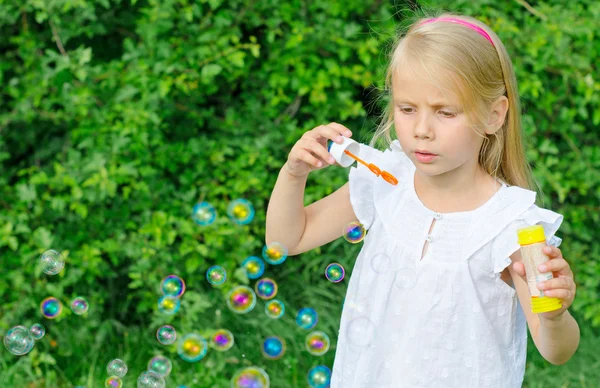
x=498 y=114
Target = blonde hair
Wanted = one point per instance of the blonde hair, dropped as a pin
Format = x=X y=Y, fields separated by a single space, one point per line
x=479 y=74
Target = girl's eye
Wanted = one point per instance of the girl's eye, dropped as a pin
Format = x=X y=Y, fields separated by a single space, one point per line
x=448 y=114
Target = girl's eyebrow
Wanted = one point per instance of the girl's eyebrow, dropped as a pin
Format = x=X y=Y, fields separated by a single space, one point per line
x=436 y=104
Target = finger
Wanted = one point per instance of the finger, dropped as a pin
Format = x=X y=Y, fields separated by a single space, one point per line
x=561 y=293
x=519 y=268
x=310 y=159
x=562 y=282
x=559 y=265
x=341 y=129
x=552 y=252
x=324 y=132
x=318 y=150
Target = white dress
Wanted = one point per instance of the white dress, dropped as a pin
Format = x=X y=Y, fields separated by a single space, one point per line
x=447 y=320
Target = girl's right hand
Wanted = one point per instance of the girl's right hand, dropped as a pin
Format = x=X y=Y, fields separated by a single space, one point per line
x=310 y=152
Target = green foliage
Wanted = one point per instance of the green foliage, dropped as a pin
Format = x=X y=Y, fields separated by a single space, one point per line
x=118 y=116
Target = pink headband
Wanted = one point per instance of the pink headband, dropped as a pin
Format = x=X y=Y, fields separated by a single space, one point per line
x=472 y=26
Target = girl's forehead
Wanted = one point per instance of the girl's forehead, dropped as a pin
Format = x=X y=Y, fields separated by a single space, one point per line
x=410 y=81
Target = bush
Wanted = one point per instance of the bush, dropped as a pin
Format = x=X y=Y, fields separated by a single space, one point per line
x=119 y=116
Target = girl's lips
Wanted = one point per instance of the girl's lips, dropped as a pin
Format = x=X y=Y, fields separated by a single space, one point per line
x=425 y=158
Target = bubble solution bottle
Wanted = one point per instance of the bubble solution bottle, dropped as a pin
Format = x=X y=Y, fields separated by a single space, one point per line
x=533 y=240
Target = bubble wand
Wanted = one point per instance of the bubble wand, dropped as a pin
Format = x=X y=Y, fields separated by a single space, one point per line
x=389 y=178
x=345 y=154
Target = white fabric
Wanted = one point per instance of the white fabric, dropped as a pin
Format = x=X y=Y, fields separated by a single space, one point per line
x=447 y=320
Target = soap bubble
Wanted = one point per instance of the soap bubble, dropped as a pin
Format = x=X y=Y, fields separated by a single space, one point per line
x=204 y=213
x=168 y=305
x=307 y=318
x=240 y=211
x=113 y=382
x=273 y=348
x=266 y=288
x=381 y=263
x=51 y=307
x=254 y=267
x=335 y=272
x=274 y=253
x=406 y=278
x=222 y=340
x=150 y=379
x=166 y=335
x=161 y=365
x=250 y=377
x=354 y=232
x=173 y=286
x=18 y=340
x=37 y=331
x=79 y=305
x=317 y=343
x=274 y=308
x=116 y=368
x=52 y=262
x=216 y=275
x=241 y=299
x=319 y=377
x=192 y=347
x=360 y=331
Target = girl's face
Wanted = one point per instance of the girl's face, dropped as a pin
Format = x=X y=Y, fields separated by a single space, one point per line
x=427 y=119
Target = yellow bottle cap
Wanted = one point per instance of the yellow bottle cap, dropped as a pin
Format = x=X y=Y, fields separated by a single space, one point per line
x=531 y=235
x=543 y=304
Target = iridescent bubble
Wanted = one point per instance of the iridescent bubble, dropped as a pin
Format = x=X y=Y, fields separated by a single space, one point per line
x=250 y=377
x=335 y=272
x=241 y=299
x=52 y=262
x=274 y=308
x=113 y=382
x=266 y=288
x=161 y=365
x=166 y=335
x=307 y=318
x=216 y=275
x=168 y=305
x=204 y=213
x=117 y=368
x=79 y=305
x=18 y=340
x=319 y=377
x=222 y=340
x=192 y=347
x=173 y=286
x=37 y=331
x=360 y=331
x=51 y=307
x=254 y=267
x=150 y=379
x=274 y=253
x=317 y=343
x=354 y=232
x=240 y=211
x=273 y=348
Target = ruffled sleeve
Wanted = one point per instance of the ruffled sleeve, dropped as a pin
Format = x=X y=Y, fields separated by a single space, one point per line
x=362 y=181
x=507 y=242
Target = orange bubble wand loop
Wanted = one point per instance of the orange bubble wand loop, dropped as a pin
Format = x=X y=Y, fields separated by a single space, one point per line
x=389 y=178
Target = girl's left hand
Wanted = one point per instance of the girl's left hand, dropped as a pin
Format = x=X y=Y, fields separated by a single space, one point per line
x=562 y=286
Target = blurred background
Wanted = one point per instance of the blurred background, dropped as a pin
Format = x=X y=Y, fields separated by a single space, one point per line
x=118 y=116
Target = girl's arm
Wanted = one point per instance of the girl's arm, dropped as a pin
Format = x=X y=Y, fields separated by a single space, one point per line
x=556 y=333
x=301 y=229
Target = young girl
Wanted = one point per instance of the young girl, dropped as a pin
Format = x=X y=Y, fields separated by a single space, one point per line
x=438 y=295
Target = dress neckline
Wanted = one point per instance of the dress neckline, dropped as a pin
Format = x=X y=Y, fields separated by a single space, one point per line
x=463 y=214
